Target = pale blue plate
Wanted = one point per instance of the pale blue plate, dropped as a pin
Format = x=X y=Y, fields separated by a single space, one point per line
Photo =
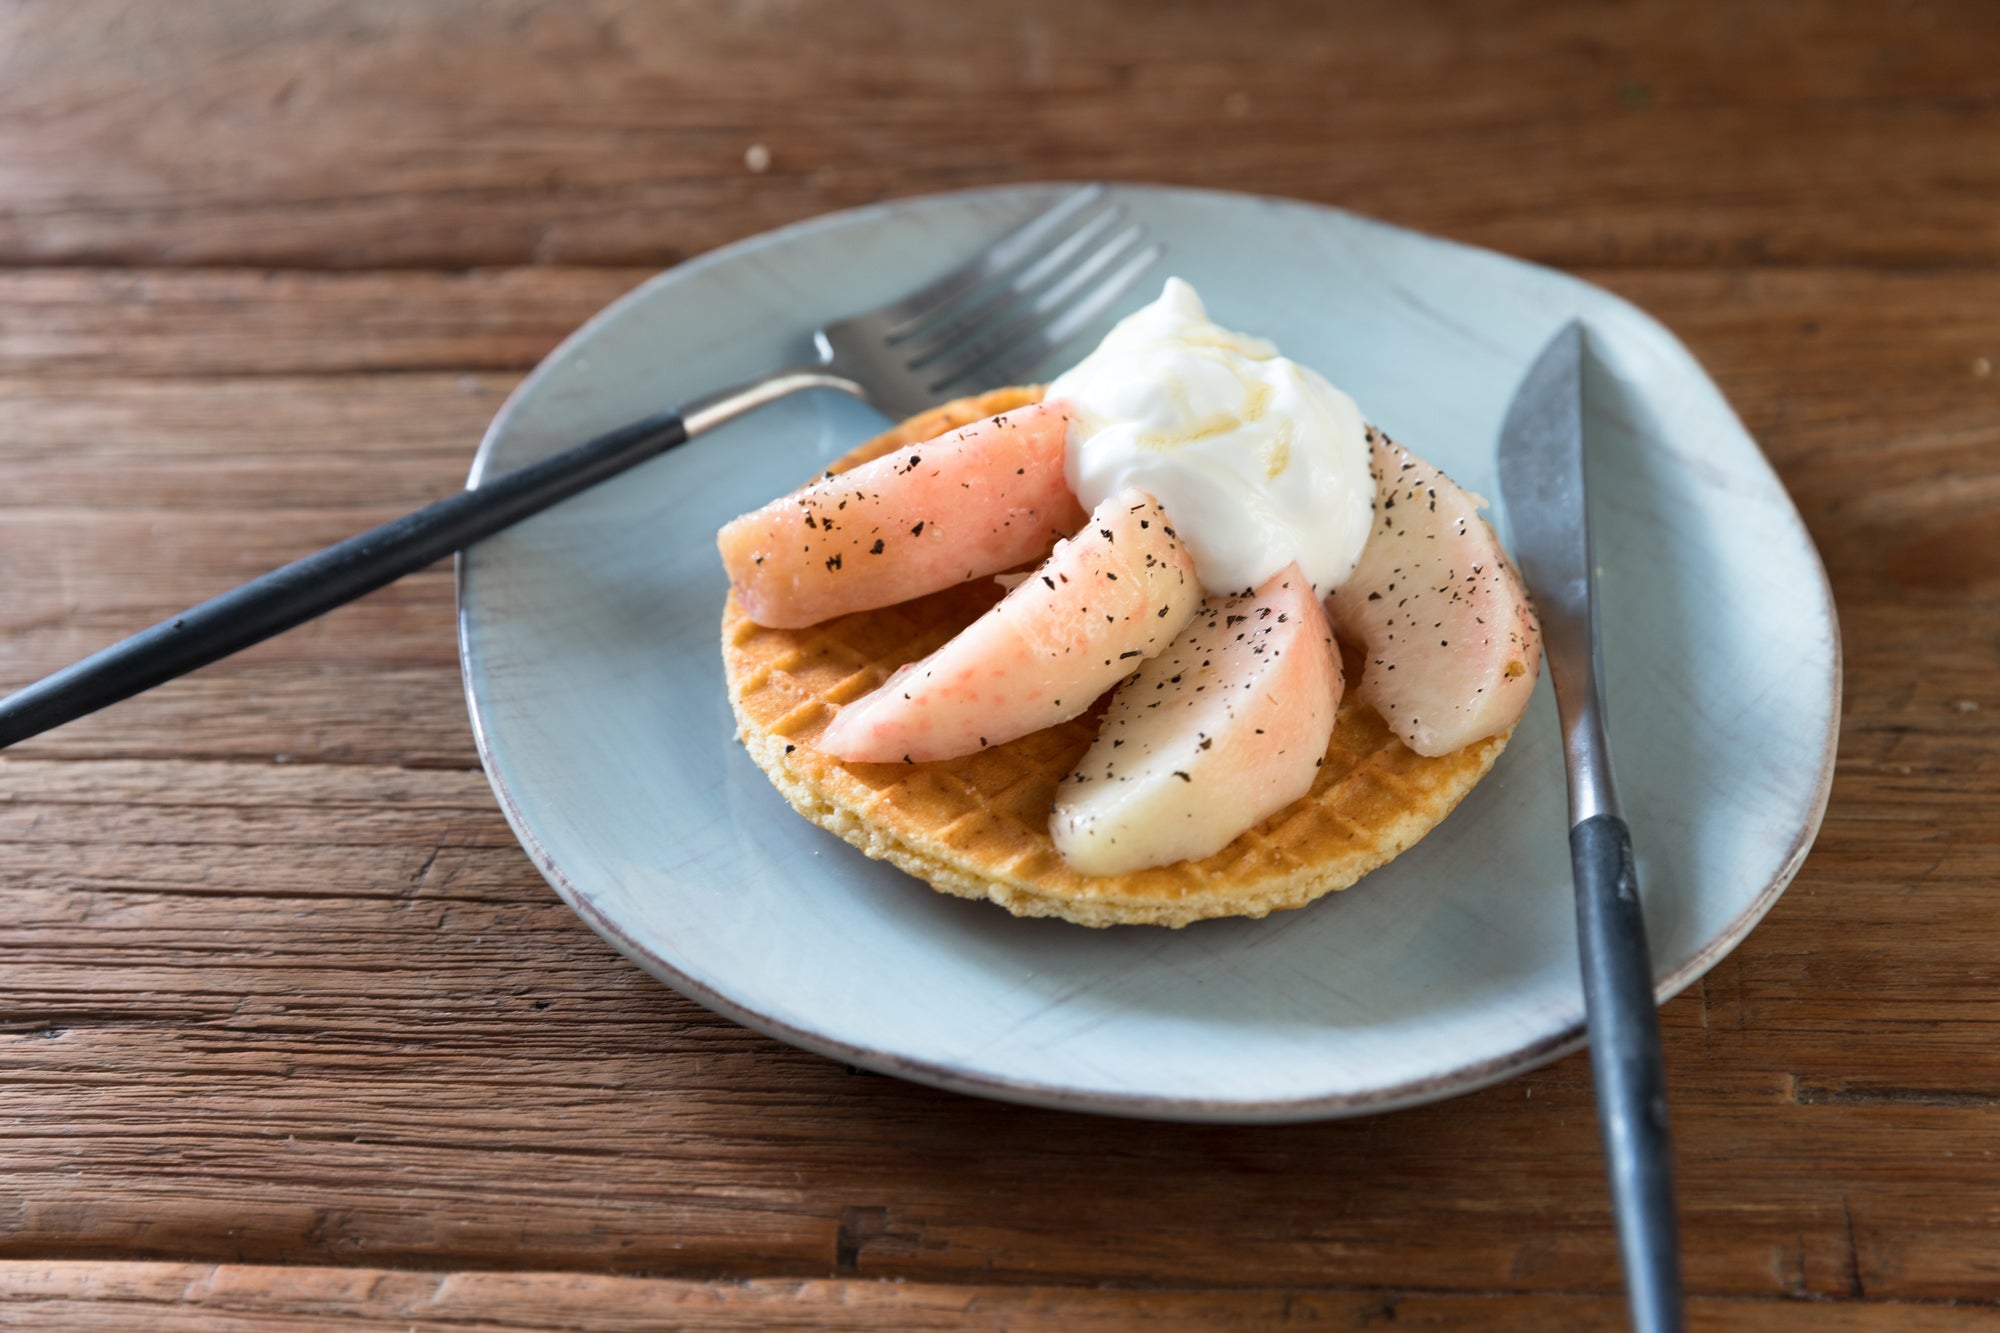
x=589 y=639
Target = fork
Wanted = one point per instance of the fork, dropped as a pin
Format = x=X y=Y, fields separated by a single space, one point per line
x=987 y=323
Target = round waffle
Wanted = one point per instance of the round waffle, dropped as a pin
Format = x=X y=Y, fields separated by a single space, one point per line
x=978 y=826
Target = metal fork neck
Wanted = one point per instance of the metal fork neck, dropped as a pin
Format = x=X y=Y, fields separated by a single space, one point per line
x=711 y=410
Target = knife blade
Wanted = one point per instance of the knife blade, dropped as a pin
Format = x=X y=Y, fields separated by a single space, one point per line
x=1542 y=482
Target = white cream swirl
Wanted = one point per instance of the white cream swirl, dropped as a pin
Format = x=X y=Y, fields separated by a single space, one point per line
x=1258 y=460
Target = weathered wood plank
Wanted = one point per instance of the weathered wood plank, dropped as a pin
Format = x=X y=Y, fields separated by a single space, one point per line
x=335 y=993
x=246 y=322
x=132 y=483
x=81 y=451
x=171 y=1297
x=280 y=989
x=374 y=134
x=332 y=992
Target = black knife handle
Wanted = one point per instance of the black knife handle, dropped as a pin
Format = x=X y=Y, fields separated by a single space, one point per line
x=1625 y=1066
x=318 y=583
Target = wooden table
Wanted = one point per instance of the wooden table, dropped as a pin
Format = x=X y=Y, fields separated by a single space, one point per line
x=292 y=1034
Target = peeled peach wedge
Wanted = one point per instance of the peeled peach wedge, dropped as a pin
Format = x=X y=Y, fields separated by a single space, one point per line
x=973 y=502
x=1103 y=602
x=1223 y=729
x=1452 y=644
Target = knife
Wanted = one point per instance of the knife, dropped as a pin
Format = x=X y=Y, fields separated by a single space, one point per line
x=1542 y=482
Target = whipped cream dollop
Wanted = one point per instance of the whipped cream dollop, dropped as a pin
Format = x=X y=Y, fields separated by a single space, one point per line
x=1258 y=460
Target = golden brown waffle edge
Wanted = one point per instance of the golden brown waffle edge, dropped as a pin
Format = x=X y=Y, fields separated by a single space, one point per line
x=977 y=826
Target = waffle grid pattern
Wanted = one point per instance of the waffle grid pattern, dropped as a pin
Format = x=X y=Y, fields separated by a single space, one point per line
x=977 y=826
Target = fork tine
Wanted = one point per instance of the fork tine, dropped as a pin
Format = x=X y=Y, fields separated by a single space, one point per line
x=997 y=259
x=1003 y=326
x=1006 y=325
x=1079 y=316
x=928 y=340
x=1024 y=344
x=1017 y=364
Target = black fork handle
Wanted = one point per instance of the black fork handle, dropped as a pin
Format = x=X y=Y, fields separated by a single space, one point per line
x=310 y=587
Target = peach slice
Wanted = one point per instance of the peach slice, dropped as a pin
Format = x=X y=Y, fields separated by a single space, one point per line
x=978 y=500
x=1223 y=729
x=1103 y=602
x=1453 y=646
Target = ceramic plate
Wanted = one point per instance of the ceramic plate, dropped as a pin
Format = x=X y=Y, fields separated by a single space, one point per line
x=589 y=637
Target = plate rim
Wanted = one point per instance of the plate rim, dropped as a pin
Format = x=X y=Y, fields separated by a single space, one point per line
x=1461 y=1079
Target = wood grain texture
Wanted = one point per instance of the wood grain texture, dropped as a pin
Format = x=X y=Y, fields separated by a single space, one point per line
x=280 y=989
x=333 y=989
x=371 y=134
x=224 y=1298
